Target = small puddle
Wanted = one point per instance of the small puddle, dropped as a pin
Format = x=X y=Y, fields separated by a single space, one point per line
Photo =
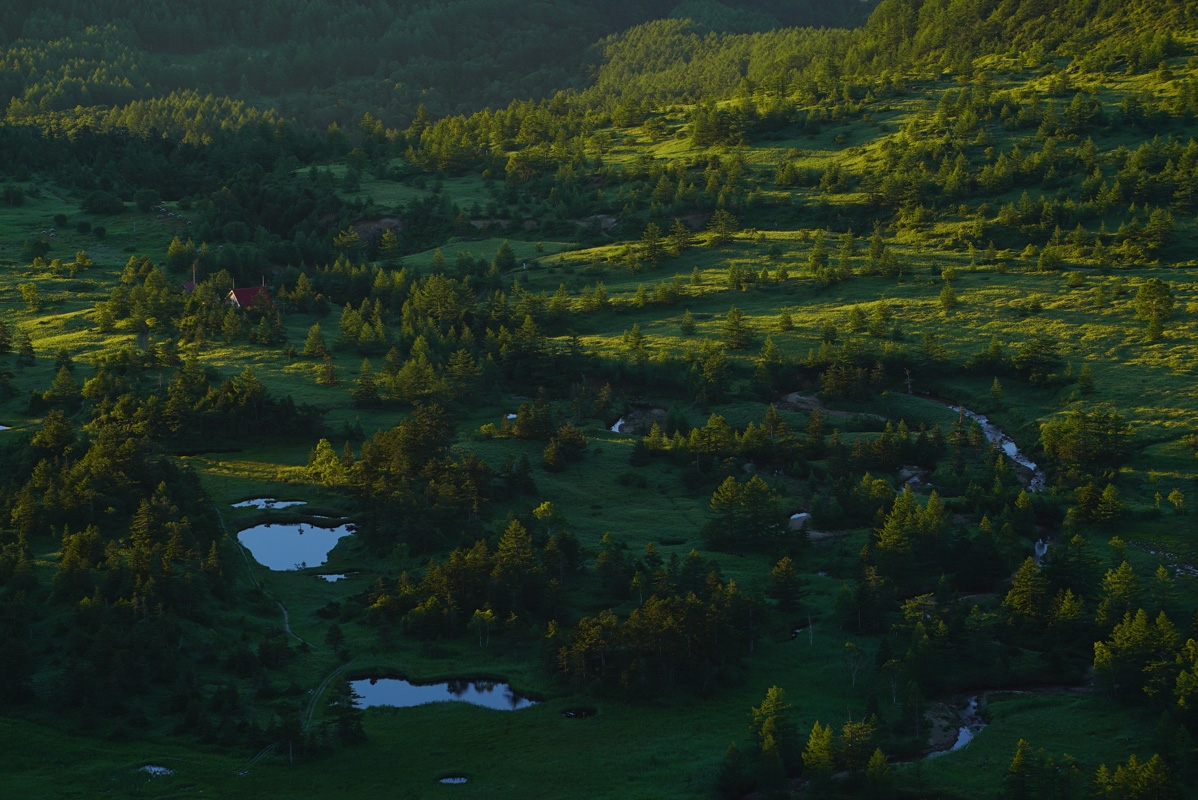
x=5 y=428
x=453 y=779
x=578 y=713
x=619 y=424
x=405 y=694
x=293 y=546
x=333 y=578
x=156 y=771
x=971 y=724
x=269 y=502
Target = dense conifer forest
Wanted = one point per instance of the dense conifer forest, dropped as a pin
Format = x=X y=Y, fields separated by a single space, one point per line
x=775 y=399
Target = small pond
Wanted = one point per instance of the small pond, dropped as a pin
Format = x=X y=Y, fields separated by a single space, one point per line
x=291 y=546
x=619 y=424
x=333 y=577
x=269 y=502
x=404 y=694
x=5 y=428
x=453 y=779
x=579 y=713
x=156 y=771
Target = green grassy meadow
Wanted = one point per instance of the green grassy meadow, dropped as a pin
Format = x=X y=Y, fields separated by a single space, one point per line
x=669 y=747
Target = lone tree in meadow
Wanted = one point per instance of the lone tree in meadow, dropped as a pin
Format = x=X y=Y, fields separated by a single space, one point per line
x=738 y=334
x=723 y=227
x=1154 y=303
x=314 y=345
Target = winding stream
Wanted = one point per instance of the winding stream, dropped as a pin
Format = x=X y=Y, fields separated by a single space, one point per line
x=995 y=434
x=971 y=724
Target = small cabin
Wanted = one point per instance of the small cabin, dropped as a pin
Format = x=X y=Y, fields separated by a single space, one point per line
x=245 y=298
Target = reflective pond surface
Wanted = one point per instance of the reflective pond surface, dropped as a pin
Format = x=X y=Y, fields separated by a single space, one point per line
x=453 y=779
x=291 y=546
x=404 y=694
x=332 y=577
x=269 y=502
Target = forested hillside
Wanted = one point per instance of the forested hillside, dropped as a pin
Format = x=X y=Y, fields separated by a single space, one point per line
x=321 y=62
x=773 y=398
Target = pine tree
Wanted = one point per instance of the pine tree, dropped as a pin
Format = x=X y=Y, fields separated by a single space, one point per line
x=1018 y=783
x=687 y=326
x=948 y=297
x=25 y=353
x=64 y=390
x=505 y=257
x=314 y=346
x=651 y=246
x=232 y=326
x=366 y=393
x=819 y=756
x=1028 y=596
x=785 y=586
x=878 y=780
x=5 y=338
x=327 y=373
x=736 y=330
x=723 y=227
x=679 y=240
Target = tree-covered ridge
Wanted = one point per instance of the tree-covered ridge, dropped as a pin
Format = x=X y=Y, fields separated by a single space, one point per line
x=322 y=62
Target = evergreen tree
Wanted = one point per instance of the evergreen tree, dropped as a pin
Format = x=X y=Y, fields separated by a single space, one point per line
x=737 y=332
x=687 y=326
x=723 y=227
x=314 y=346
x=64 y=390
x=25 y=353
x=785 y=586
x=819 y=756
x=1154 y=303
x=505 y=257
x=679 y=240
x=652 y=250
x=365 y=394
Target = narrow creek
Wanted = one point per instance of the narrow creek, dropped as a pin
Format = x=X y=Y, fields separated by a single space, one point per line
x=971 y=724
x=994 y=434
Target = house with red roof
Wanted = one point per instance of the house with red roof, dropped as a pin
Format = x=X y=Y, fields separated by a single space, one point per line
x=245 y=298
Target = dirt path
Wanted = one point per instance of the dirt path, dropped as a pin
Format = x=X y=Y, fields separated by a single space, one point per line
x=802 y=402
x=310 y=710
x=249 y=568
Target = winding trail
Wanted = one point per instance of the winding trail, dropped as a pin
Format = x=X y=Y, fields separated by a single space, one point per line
x=249 y=568
x=310 y=710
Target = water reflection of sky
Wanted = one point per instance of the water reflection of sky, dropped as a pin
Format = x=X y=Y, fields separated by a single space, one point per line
x=269 y=502
x=404 y=694
x=293 y=546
